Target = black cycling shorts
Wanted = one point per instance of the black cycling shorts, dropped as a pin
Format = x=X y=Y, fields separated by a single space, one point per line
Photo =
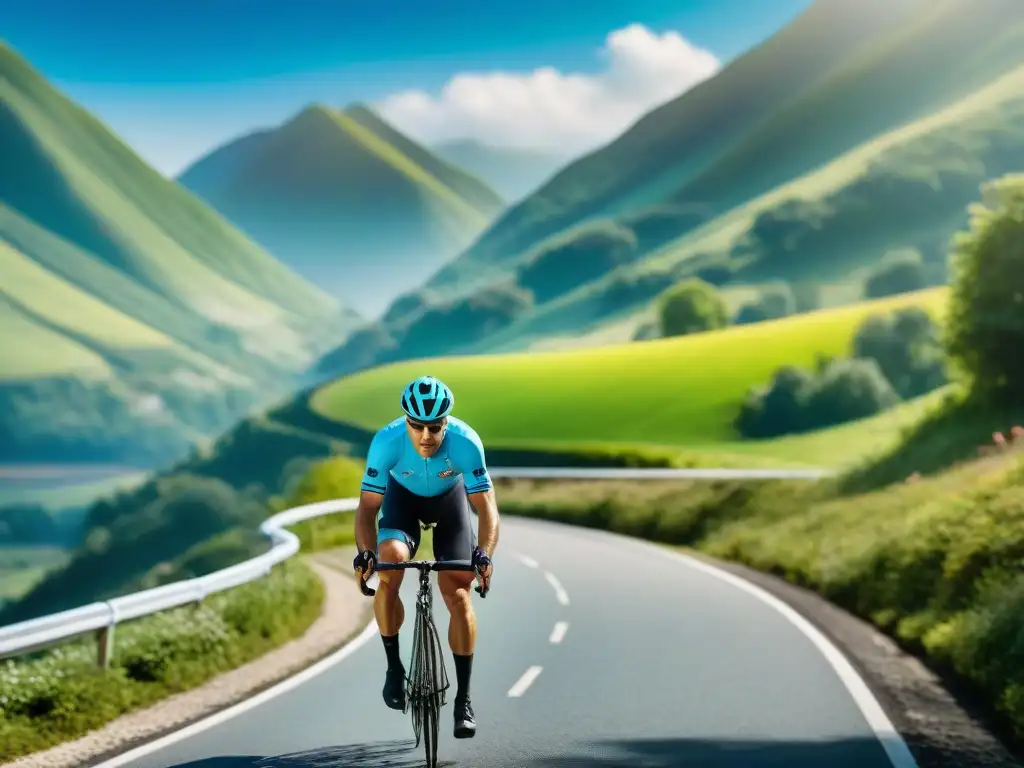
x=402 y=511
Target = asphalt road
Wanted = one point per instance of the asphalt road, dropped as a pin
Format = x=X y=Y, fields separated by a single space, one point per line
x=653 y=663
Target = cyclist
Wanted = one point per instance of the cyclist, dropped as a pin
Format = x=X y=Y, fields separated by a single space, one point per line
x=429 y=467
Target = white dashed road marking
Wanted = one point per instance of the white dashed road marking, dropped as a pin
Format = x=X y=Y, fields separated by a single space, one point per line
x=524 y=682
x=559 y=632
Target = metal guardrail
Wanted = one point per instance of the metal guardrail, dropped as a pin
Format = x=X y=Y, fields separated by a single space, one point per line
x=102 y=617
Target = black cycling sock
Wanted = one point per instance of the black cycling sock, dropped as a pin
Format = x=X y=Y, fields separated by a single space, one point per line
x=391 y=649
x=463 y=669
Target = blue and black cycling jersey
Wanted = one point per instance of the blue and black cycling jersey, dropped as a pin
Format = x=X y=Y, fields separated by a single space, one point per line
x=461 y=453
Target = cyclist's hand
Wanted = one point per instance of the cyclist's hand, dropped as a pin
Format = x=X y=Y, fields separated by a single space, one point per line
x=484 y=569
x=364 y=564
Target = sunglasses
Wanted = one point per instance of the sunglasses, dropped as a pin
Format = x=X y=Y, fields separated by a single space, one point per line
x=434 y=428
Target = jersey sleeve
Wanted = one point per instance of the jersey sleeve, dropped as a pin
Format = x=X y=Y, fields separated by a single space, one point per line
x=474 y=465
x=380 y=458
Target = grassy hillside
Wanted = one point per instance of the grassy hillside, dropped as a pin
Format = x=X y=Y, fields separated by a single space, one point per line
x=347 y=201
x=898 y=174
x=134 y=318
x=514 y=173
x=909 y=187
x=674 y=391
x=680 y=139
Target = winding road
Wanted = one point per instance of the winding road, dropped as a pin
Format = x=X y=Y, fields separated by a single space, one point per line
x=592 y=650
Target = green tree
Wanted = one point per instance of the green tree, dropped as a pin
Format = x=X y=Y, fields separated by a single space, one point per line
x=985 y=325
x=900 y=271
x=691 y=306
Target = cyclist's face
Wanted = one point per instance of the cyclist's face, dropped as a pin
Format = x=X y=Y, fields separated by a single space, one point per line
x=426 y=437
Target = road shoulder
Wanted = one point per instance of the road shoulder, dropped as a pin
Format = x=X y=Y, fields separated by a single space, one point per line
x=346 y=613
x=939 y=730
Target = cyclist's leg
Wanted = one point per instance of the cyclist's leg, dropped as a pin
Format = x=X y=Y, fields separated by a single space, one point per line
x=455 y=539
x=397 y=541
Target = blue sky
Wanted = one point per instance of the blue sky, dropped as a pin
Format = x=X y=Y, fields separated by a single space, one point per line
x=177 y=77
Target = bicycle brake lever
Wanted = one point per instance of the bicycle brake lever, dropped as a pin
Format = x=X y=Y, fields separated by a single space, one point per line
x=368 y=591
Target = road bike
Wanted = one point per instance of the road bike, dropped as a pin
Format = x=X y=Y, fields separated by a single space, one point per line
x=427 y=681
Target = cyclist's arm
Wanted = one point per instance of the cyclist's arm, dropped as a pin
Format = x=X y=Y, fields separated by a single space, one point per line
x=366 y=520
x=481 y=494
x=380 y=458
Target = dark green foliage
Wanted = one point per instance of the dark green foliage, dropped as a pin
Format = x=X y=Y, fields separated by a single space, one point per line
x=130 y=535
x=775 y=301
x=662 y=224
x=899 y=272
x=360 y=350
x=985 y=329
x=691 y=306
x=559 y=266
x=630 y=288
x=29 y=524
x=895 y=356
x=906 y=347
x=797 y=401
x=446 y=327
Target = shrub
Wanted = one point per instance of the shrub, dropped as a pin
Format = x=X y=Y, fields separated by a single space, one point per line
x=848 y=390
x=899 y=272
x=61 y=695
x=985 y=326
x=691 y=306
x=906 y=347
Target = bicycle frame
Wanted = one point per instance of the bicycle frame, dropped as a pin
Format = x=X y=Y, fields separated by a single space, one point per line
x=427 y=681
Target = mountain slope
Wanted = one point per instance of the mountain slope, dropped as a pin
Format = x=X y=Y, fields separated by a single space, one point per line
x=514 y=173
x=347 y=201
x=453 y=176
x=133 y=318
x=66 y=172
x=676 y=141
x=908 y=186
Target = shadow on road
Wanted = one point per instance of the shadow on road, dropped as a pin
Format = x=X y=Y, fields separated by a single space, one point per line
x=719 y=753
x=386 y=754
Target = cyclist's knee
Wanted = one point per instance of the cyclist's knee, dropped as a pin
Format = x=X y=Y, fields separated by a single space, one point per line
x=454 y=586
x=392 y=551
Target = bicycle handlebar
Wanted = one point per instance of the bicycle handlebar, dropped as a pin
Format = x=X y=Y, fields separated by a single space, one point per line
x=423 y=566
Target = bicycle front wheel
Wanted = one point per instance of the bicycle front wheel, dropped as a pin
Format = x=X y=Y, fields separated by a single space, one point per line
x=430 y=682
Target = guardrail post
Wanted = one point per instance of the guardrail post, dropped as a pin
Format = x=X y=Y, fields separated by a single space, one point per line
x=105 y=641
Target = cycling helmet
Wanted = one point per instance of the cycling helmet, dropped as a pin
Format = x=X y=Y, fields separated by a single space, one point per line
x=427 y=399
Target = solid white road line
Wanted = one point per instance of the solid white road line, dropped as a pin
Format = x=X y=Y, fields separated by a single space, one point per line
x=892 y=742
x=529 y=562
x=244 y=706
x=560 y=593
x=559 y=631
x=524 y=682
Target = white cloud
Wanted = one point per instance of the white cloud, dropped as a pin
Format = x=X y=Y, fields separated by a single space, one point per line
x=549 y=109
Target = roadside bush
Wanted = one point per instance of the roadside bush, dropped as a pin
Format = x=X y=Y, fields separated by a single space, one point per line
x=691 y=306
x=985 y=326
x=61 y=695
x=899 y=272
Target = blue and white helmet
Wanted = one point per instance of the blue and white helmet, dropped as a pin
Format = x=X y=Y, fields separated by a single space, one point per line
x=427 y=399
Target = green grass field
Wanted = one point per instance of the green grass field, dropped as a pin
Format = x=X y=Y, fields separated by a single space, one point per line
x=22 y=567
x=672 y=392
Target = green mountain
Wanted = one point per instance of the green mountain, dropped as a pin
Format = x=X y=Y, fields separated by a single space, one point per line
x=849 y=133
x=840 y=73
x=514 y=173
x=347 y=201
x=133 y=318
